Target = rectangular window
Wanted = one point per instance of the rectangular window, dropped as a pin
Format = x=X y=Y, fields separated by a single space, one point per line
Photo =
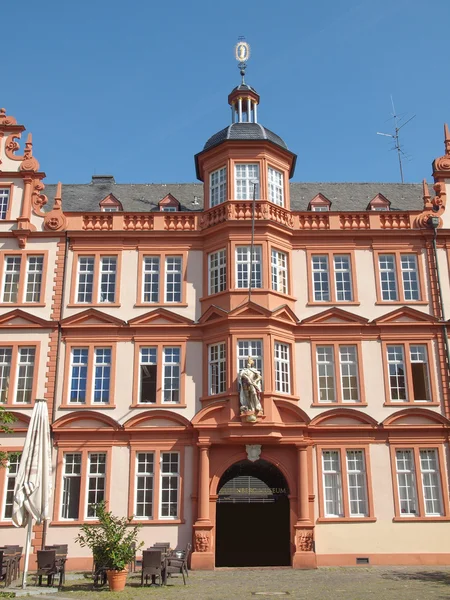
x=321 y=278
x=348 y=360
x=431 y=482
x=217 y=368
x=173 y=279
x=279 y=272
x=102 y=375
x=171 y=371
x=151 y=279
x=25 y=375
x=343 y=278
x=11 y=474
x=35 y=265
x=282 y=368
x=148 y=373
x=170 y=484
x=96 y=481
x=5 y=371
x=11 y=279
x=344 y=470
x=243 y=267
x=246 y=175
x=85 y=279
x=78 y=378
x=4 y=203
x=71 y=486
x=108 y=273
x=408 y=381
x=276 y=188
x=406 y=482
x=218 y=187
x=144 y=485
x=252 y=348
x=325 y=373
x=395 y=268
x=217 y=270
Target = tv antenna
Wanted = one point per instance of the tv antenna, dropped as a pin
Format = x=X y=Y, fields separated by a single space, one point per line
x=396 y=137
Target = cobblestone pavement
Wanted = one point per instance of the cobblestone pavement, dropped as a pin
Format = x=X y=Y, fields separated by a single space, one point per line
x=344 y=583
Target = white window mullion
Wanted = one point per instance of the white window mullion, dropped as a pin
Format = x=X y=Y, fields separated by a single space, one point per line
x=276 y=186
x=102 y=375
x=410 y=277
x=431 y=482
x=282 y=368
x=388 y=277
x=96 y=482
x=4 y=203
x=25 y=375
x=11 y=473
x=321 y=278
x=357 y=483
x=5 y=372
x=11 y=279
x=218 y=187
x=217 y=271
x=174 y=266
x=348 y=363
x=35 y=265
x=171 y=375
x=325 y=374
x=217 y=368
x=279 y=271
x=332 y=483
x=397 y=373
x=108 y=274
x=71 y=486
x=243 y=267
x=169 y=485
x=144 y=485
x=85 y=279
x=151 y=279
x=245 y=174
x=406 y=482
x=343 y=278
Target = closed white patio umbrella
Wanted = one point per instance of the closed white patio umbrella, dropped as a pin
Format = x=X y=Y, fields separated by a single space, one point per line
x=34 y=478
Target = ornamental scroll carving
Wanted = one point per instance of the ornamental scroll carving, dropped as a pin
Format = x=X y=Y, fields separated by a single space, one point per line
x=433 y=207
x=55 y=220
x=305 y=541
x=5 y=119
x=29 y=163
x=38 y=200
x=11 y=147
x=201 y=541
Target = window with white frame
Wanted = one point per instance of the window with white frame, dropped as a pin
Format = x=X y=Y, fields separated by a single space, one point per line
x=25 y=375
x=169 y=485
x=85 y=285
x=5 y=372
x=245 y=177
x=252 y=349
x=86 y=388
x=321 y=278
x=217 y=271
x=171 y=374
x=416 y=370
x=344 y=467
x=342 y=278
x=96 y=482
x=174 y=266
x=4 y=202
x=347 y=358
x=110 y=209
x=35 y=265
x=282 y=368
x=276 y=187
x=418 y=472
x=218 y=187
x=279 y=271
x=320 y=208
x=144 y=486
x=71 y=485
x=243 y=267
x=389 y=265
x=147 y=374
x=168 y=208
x=11 y=473
x=150 y=279
x=217 y=368
x=11 y=279
x=108 y=274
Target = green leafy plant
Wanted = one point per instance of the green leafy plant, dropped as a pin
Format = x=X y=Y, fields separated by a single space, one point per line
x=6 y=419
x=113 y=540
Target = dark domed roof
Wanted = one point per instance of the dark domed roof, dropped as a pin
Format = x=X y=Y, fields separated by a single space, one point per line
x=244 y=131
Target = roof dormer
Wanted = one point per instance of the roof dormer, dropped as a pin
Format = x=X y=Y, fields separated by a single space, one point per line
x=169 y=204
x=380 y=202
x=319 y=203
x=110 y=204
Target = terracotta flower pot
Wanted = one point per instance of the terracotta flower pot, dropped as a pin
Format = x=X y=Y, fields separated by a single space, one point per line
x=117 y=579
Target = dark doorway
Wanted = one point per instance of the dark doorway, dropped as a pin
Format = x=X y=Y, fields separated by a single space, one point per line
x=252 y=517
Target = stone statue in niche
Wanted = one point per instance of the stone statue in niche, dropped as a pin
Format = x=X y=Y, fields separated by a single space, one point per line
x=250 y=391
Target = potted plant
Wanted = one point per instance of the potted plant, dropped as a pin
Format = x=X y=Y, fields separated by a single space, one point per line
x=113 y=542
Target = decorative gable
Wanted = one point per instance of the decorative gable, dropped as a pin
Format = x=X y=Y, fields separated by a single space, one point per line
x=406 y=315
x=319 y=203
x=110 y=204
x=213 y=313
x=337 y=316
x=159 y=316
x=92 y=318
x=20 y=319
x=380 y=202
x=250 y=310
x=284 y=313
x=169 y=203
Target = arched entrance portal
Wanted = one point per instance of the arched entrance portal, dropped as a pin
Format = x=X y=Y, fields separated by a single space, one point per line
x=252 y=516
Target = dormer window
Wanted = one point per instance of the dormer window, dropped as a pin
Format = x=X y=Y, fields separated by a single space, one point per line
x=218 y=187
x=110 y=204
x=4 y=202
x=319 y=203
x=169 y=204
x=276 y=187
x=246 y=176
x=379 y=203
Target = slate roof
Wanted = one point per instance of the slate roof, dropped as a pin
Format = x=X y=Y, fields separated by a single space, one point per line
x=244 y=131
x=144 y=197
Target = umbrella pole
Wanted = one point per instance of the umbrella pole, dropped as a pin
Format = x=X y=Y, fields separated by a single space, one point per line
x=27 y=552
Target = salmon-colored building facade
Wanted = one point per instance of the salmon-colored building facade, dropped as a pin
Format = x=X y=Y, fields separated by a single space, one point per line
x=132 y=309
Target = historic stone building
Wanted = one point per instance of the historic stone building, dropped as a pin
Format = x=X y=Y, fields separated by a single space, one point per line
x=133 y=309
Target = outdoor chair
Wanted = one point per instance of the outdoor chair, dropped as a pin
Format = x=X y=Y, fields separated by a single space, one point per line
x=61 y=556
x=176 y=565
x=13 y=553
x=4 y=570
x=49 y=566
x=153 y=564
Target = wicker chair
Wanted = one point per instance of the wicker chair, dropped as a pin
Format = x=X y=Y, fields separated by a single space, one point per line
x=152 y=565
x=49 y=566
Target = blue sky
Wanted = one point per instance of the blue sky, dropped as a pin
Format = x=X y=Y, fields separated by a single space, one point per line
x=135 y=88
